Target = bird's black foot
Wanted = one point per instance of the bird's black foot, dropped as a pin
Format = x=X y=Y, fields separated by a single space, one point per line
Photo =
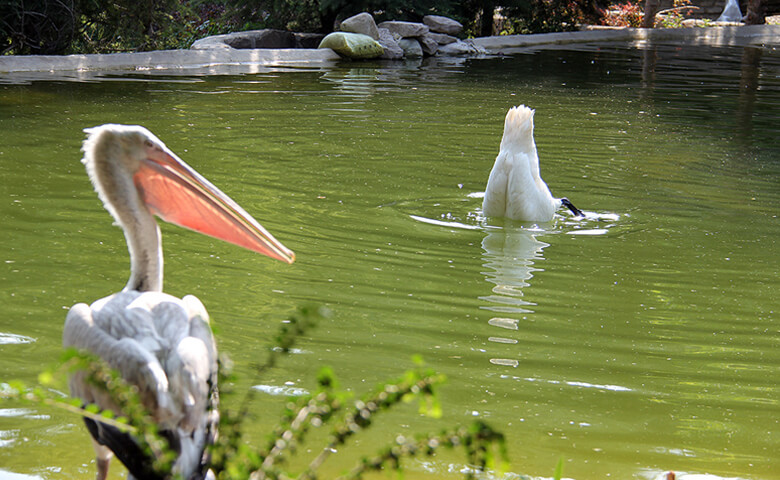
x=576 y=211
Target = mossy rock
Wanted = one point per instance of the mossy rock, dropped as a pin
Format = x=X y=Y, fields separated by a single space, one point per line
x=352 y=45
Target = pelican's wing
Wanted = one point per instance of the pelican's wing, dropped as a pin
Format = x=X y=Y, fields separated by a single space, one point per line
x=137 y=365
x=494 y=203
x=163 y=346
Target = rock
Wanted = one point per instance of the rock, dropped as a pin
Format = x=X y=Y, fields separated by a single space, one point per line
x=361 y=23
x=206 y=43
x=267 y=38
x=428 y=44
x=405 y=29
x=308 y=40
x=461 y=48
x=352 y=45
x=440 y=24
x=393 y=51
x=411 y=47
x=443 y=38
x=262 y=39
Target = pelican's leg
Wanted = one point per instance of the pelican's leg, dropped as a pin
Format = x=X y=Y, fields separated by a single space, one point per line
x=103 y=455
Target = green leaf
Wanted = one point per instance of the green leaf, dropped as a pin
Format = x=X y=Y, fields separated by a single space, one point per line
x=45 y=377
x=558 y=469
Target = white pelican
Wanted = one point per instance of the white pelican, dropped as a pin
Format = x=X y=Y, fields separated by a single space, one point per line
x=161 y=344
x=514 y=189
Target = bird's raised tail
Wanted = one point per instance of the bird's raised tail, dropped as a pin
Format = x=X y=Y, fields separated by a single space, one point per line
x=519 y=130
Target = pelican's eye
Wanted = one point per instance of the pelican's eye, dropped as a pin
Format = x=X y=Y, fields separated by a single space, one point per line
x=148 y=143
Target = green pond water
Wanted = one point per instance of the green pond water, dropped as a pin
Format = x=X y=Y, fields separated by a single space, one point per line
x=642 y=339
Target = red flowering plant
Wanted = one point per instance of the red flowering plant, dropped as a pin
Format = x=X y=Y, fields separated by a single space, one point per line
x=626 y=14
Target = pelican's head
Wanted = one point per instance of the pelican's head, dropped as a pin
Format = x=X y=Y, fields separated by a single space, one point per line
x=134 y=174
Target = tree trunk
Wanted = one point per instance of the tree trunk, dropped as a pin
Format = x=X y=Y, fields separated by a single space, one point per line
x=756 y=13
x=651 y=8
x=486 y=19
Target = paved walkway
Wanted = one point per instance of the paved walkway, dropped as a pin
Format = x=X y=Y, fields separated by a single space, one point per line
x=743 y=35
x=209 y=61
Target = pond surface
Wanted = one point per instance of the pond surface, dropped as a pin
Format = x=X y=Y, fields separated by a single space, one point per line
x=640 y=340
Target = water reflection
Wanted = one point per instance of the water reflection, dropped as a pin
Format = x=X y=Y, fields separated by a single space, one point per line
x=510 y=254
x=748 y=87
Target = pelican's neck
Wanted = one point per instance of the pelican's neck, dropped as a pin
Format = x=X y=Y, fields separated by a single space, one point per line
x=146 y=260
x=122 y=199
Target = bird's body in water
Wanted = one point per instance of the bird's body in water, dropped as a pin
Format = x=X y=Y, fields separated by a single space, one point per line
x=161 y=344
x=515 y=188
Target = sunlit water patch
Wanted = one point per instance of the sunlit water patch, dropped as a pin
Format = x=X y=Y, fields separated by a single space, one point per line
x=10 y=338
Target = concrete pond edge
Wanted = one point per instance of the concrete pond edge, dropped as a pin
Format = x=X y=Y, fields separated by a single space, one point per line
x=752 y=35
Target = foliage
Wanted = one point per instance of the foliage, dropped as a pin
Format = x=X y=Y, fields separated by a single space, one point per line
x=322 y=15
x=131 y=25
x=92 y=26
x=628 y=14
x=135 y=418
x=292 y=15
x=36 y=26
x=541 y=16
x=673 y=17
x=233 y=458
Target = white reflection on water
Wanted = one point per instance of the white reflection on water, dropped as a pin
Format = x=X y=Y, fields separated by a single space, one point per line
x=277 y=390
x=6 y=475
x=510 y=254
x=572 y=383
x=9 y=338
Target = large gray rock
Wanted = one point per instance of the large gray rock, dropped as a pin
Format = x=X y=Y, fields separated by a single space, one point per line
x=440 y=24
x=428 y=44
x=267 y=38
x=443 y=38
x=308 y=40
x=411 y=47
x=405 y=29
x=461 y=48
x=361 y=23
x=393 y=51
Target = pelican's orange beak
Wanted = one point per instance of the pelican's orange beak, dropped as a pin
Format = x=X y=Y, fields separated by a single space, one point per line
x=180 y=195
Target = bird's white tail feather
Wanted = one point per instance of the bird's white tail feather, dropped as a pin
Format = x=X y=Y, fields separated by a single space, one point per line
x=519 y=130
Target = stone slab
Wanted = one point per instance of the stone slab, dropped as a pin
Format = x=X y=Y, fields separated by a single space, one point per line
x=727 y=35
x=266 y=38
x=163 y=59
x=442 y=38
x=361 y=23
x=440 y=24
x=405 y=29
x=393 y=51
x=428 y=44
x=411 y=47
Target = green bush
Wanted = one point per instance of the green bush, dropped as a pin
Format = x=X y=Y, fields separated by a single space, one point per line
x=543 y=16
x=327 y=407
x=42 y=27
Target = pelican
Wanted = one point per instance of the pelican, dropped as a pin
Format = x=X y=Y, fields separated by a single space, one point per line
x=161 y=344
x=514 y=189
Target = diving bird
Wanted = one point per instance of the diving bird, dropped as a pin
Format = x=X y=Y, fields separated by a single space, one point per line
x=161 y=344
x=514 y=189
